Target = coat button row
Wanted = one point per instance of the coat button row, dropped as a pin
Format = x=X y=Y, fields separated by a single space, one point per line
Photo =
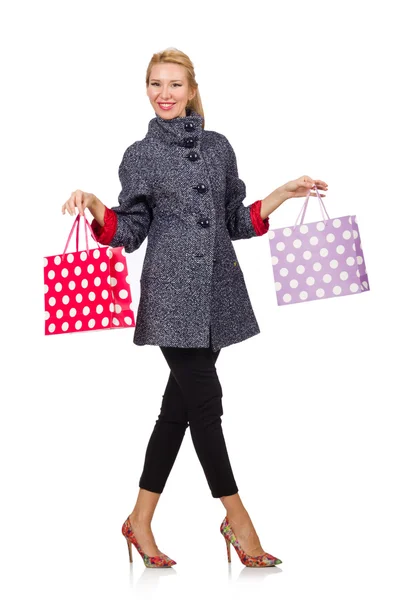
x=193 y=156
x=189 y=142
x=201 y=188
x=189 y=126
x=204 y=222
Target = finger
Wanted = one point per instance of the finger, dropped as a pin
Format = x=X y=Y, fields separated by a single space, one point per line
x=79 y=202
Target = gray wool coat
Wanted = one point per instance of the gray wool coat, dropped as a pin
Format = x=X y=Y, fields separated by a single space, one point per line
x=181 y=190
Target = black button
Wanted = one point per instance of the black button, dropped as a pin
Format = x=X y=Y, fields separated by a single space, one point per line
x=204 y=222
x=201 y=188
x=189 y=126
x=193 y=156
x=189 y=142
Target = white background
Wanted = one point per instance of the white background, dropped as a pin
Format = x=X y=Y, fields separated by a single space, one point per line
x=298 y=88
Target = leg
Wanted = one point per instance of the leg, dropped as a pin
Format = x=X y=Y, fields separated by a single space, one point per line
x=195 y=372
x=242 y=525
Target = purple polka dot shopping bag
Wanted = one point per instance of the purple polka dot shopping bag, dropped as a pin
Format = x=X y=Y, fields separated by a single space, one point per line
x=87 y=289
x=317 y=260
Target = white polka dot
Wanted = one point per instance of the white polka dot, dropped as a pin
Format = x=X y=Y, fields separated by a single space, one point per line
x=355 y=234
x=287 y=232
x=303 y=229
x=72 y=285
x=103 y=266
x=365 y=284
x=132 y=308
x=90 y=268
x=357 y=273
x=51 y=301
x=113 y=281
x=354 y=247
x=91 y=323
x=330 y=237
x=77 y=270
x=64 y=272
x=65 y=326
x=278 y=286
x=51 y=328
x=119 y=267
x=111 y=307
x=117 y=308
x=287 y=297
x=283 y=272
x=297 y=243
x=45 y=261
x=323 y=252
x=359 y=260
x=350 y=261
x=353 y=287
x=320 y=226
x=86 y=310
x=97 y=281
x=290 y=257
x=96 y=254
x=128 y=320
x=51 y=274
x=350 y=220
x=59 y=314
x=320 y=292
x=310 y=280
x=79 y=297
x=340 y=249
x=115 y=321
x=317 y=266
x=58 y=287
x=84 y=283
x=123 y=294
x=274 y=260
x=347 y=234
x=45 y=288
x=72 y=312
x=336 y=223
x=307 y=254
x=123 y=252
x=294 y=283
x=327 y=278
x=108 y=279
x=99 y=309
x=300 y=269
x=337 y=290
x=303 y=295
x=343 y=275
x=91 y=296
x=65 y=299
x=280 y=246
x=83 y=255
x=105 y=321
x=78 y=325
x=105 y=294
x=333 y=264
x=313 y=240
x=109 y=253
x=271 y=234
x=70 y=258
x=46 y=315
x=57 y=260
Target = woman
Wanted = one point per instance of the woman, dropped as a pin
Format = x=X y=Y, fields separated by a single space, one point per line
x=181 y=190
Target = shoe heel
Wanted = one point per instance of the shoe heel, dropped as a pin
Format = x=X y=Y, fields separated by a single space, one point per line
x=129 y=549
x=229 y=558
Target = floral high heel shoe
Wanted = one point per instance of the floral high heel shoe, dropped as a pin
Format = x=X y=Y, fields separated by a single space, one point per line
x=263 y=560
x=150 y=561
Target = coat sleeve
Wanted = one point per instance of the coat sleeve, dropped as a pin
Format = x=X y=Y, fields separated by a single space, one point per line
x=129 y=223
x=241 y=221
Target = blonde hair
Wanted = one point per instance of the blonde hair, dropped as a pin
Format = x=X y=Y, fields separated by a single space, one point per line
x=173 y=55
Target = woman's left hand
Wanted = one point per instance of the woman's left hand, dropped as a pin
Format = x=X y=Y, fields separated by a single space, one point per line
x=300 y=187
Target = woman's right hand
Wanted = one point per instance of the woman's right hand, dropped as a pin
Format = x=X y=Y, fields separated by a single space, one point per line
x=80 y=200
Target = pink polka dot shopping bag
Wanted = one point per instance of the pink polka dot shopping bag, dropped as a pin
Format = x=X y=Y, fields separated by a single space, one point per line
x=317 y=260
x=87 y=289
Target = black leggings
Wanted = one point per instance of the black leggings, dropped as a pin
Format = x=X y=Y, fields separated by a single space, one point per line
x=193 y=396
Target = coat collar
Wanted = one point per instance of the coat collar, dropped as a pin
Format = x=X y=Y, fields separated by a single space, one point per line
x=179 y=130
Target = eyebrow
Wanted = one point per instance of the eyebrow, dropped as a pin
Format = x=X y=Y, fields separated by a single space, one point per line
x=172 y=80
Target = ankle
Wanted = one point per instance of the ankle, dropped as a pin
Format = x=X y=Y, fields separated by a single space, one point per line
x=238 y=516
x=141 y=518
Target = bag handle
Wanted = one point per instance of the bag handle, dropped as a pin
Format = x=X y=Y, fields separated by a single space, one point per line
x=86 y=227
x=304 y=207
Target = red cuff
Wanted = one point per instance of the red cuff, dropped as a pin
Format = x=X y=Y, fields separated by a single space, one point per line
x=261 y=226
x=105 y=234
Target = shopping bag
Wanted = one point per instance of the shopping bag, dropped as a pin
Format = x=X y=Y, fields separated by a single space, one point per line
x=317 y=260
x=87 y=289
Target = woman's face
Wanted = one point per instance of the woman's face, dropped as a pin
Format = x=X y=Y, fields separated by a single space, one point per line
x=168 y=90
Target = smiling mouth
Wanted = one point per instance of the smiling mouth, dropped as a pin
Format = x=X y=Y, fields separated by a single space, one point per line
x=166 y=104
